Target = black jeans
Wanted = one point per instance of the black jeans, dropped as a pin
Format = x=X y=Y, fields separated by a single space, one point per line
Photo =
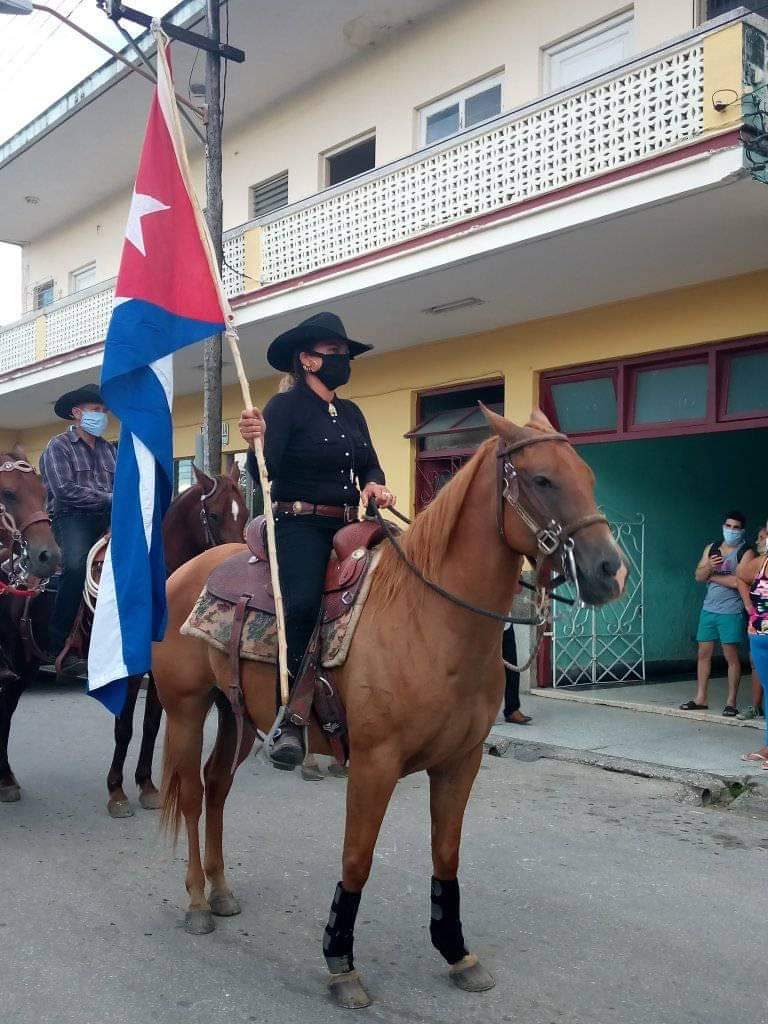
x=512 y=687
x=75 y=534
x=304 y=544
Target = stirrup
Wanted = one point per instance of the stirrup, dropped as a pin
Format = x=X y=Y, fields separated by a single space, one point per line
x=290 y=754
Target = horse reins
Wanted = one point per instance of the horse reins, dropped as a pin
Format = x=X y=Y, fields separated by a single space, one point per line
x=550 y=535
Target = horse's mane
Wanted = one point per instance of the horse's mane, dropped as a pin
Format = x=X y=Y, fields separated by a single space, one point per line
x=427 y=540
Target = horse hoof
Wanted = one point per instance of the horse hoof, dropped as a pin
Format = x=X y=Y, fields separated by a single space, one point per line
x=470 y=976
x=10 y=794
x=120 y=809
x=348 y=991
x=151 y=801
x=199 y=922
x=311 y=773
x=338 y=771
x=224 y=906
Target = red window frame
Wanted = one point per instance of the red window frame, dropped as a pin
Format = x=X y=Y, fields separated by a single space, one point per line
x=624 y=372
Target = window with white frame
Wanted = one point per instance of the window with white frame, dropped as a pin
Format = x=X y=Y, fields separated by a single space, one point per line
x=589 y=52
x=269 y=195
x=462 y=109
x=349 y=160
x=81 y=278
x=42 y=295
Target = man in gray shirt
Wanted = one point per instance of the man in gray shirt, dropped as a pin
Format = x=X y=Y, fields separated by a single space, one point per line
x=723 y=616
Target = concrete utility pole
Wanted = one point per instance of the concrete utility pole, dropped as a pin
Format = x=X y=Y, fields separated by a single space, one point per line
x=214 y=216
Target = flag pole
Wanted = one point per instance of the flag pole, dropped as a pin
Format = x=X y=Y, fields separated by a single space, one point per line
x=231 y=332
x=282 y=646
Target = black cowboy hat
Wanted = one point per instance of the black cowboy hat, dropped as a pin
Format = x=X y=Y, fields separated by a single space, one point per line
x=320 y=327
x=80 y=396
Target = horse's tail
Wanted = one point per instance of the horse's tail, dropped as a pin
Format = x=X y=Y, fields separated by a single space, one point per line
x=170 y=791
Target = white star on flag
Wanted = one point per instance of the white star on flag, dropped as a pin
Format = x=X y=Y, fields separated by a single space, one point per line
x=141 y=206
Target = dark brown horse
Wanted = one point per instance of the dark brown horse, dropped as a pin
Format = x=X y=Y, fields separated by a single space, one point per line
x=29 y=554
x=422 y=684
x=210 y=512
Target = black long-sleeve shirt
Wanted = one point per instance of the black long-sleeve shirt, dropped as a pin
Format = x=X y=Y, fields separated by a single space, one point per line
x=314 y=456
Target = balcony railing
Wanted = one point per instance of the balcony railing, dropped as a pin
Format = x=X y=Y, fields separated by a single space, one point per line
x=645 y=108
x=518 y=157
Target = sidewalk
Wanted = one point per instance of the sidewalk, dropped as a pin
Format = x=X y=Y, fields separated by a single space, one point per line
x=703 y=742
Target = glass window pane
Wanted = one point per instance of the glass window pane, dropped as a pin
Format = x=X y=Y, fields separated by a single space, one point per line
x=184 y=478
x=477 y=419
x=747 y=384
x=482 y=105
x=671 y=394
x=442 y=123
x=585 y=406
x=351 y=162
x=465 y=440
x=443 y=421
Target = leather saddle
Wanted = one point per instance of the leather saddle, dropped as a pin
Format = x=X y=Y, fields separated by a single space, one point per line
x=246 y=574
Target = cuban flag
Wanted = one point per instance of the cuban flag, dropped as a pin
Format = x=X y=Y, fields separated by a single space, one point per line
x=168 y=295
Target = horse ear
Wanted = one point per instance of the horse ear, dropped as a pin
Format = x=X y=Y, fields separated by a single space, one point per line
x=234 y=473
x=19 y=452
x=202 y=478
x=539 y=421
x=501 y=426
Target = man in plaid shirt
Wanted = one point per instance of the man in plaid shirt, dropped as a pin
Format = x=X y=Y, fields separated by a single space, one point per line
x=78 y=468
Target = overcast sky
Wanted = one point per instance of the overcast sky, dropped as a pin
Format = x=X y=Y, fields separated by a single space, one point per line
x=40 y=60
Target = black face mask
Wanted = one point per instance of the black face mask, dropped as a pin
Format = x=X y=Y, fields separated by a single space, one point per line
x=334 y=372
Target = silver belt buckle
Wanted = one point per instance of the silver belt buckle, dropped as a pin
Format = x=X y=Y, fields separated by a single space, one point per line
x=350 y=514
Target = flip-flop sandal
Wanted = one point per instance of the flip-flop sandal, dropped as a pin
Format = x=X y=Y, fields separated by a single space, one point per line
x=691 y=705
x=729 y=711
x=753 y=756
x=764 y=766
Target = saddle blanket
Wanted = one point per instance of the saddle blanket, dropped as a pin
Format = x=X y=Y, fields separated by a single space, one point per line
x=211 y=620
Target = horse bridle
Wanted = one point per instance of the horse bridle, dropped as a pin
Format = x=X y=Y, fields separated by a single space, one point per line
x=18 y=564
x=210 y=536
x=551 y=536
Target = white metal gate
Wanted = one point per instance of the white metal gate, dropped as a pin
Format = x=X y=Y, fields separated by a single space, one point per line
x=594 y=646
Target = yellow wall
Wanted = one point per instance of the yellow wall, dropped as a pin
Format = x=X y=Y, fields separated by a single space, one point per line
x=385 y=386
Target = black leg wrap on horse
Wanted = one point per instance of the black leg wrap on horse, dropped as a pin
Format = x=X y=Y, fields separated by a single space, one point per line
x=445 y=925
x=339 y=933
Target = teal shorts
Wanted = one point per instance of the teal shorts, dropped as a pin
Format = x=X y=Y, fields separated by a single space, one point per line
x=728 y=629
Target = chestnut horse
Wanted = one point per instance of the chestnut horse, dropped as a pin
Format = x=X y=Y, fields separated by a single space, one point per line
x=422 y=684
x=29 y=551
x=210 y=512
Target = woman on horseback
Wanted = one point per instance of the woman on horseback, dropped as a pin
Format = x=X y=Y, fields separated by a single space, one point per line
x=321 y=464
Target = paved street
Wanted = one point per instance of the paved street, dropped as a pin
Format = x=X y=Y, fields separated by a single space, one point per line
x=596 y=898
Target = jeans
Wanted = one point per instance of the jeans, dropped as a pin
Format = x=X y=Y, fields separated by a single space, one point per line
x=758 y=647
x=75 y=534
x=304 y=545
x=512 y=687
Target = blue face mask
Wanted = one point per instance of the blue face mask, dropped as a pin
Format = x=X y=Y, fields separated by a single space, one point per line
x=732 y=537
x=94 y=423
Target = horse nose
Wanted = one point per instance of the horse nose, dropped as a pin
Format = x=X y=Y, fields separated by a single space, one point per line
x=47 y=560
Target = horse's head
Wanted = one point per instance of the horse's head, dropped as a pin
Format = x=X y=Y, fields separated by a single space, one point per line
x=224 y=506
x=548 y=483
x=22 y=509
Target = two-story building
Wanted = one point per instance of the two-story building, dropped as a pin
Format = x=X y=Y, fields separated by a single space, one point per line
x=521 y=202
